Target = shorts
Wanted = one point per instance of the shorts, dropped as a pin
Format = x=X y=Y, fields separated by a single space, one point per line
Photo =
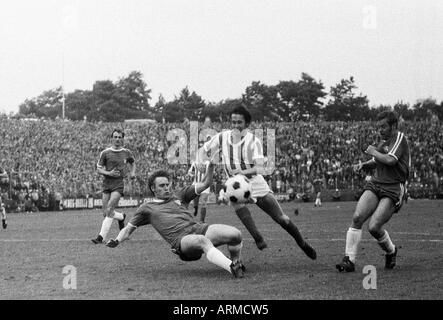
x=207 y=191
x=259 y=186
x=110 y=186
x=198 y=228
x=118 y=189
x=394 y=191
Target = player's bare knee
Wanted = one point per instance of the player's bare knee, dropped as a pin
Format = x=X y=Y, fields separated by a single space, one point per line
x=283 y=220
x=108 y=212
x=375 y=230
x=357 y=221
x=202 y=241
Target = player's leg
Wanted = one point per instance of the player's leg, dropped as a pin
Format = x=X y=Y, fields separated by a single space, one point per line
x=204 y=200
x=196 y=203
x=110 y=202
x=107 y=222
x=112 y=205
x=193 y=244
x=381 y=216
x=4 y=224
x=221 y=234
x=243 y=213
x=366 y=205
x=270 y=205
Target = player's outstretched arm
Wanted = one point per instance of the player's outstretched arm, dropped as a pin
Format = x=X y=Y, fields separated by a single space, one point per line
x=122 y=236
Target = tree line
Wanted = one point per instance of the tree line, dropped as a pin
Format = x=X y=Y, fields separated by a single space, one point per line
x=305 y=99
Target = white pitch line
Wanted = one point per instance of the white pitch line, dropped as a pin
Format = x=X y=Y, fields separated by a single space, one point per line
x=249 y=239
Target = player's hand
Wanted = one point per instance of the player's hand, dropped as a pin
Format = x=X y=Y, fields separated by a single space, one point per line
x=114 y=173
x=371 y=150
x=357 y=167
x=132 y=176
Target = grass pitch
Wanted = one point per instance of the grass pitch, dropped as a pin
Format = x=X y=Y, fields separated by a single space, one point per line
x=36 y=247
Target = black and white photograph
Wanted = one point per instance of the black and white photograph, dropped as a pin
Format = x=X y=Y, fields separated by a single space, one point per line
x=221 y=156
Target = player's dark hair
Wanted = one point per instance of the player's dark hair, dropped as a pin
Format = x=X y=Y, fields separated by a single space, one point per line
x=155 y=175
x=391 y=116
x=118 y=130
x=241 y=109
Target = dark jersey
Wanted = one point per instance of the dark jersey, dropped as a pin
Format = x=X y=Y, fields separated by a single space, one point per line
x=398 y=148
x=170 y=218
x=118 y=159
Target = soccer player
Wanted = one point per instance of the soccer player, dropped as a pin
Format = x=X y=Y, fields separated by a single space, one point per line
x=113 y=164
x=203 y=197
x=383 y=193
x=242 y=153
x=3 y=211
x=3 y=175
x=189 y=239
x=318 y=184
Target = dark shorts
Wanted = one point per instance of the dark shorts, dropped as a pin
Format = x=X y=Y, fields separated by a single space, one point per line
x=394 y=191
x=198 y=228
x=110 y=186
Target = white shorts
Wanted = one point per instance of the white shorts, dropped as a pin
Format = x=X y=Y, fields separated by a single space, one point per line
x=208 y=190
x=259 y=186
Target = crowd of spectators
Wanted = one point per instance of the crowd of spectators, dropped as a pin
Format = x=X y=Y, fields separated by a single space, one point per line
x=48 y=161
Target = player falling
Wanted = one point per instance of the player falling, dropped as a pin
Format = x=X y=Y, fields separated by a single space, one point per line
x=112 y=165
x=188 y=238
x=383 y=193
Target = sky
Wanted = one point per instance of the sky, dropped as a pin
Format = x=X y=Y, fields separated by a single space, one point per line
x=393 y=49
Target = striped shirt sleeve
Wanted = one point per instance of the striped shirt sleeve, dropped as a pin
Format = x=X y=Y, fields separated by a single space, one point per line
x=212 y=144
x=398 y=147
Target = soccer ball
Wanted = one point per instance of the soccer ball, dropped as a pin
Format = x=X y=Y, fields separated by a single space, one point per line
x=238 y=189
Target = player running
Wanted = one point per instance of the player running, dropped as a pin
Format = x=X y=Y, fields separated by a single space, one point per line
x=189 y=239
x=3 y=175
x=112 y=164
x=383 y=193
x=3 y=212
x=242 y=153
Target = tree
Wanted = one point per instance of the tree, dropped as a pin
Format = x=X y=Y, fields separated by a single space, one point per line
x=131 y=92
x=47 y=105
x=80 y=104
x=300 y=100
x=425 y=109
x=262 y=101
x=345 y=104
x=191 y=103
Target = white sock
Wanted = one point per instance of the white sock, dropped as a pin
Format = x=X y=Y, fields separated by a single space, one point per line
x=353 y=237
x=106 y=226
x=386 y=244
x=216 y=257
x=118 y=215
x=125 y=233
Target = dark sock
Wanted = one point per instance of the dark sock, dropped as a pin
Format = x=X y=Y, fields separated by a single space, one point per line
x=272 y=208
x=246 y=218
x=202 y=214
x=195 y=211
x=292 y=229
